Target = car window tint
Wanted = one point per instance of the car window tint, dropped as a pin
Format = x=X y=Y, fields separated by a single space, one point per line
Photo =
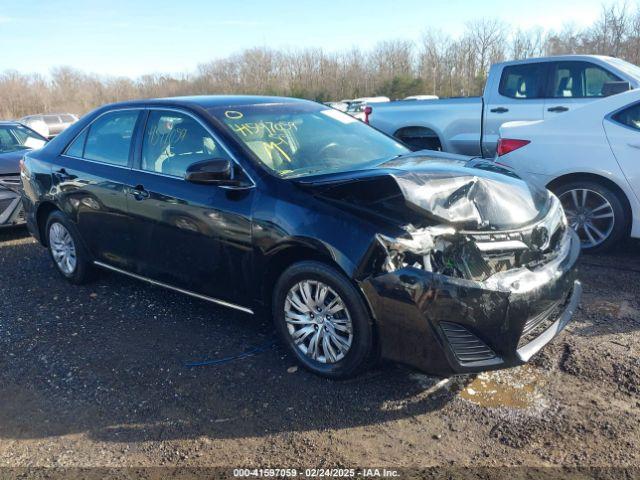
x=579 y=80
x=76 y=149
x=629 y=117
x=521 y=81
x=109 y=137
x=51 y=119
x=173 y=141
x=67 y=118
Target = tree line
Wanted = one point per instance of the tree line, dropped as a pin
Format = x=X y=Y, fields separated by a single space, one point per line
x=437 y=64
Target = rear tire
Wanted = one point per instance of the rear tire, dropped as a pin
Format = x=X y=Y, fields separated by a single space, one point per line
x=595 y=212
x=66 y=250
x=333 y=314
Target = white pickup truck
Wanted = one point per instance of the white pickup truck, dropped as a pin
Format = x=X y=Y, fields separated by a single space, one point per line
x=532 y=89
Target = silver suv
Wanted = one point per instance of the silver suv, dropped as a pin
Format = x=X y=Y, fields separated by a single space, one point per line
x=55 y=122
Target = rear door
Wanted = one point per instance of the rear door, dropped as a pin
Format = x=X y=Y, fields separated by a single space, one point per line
x=517 y=94
x=92 y=177
x=574 y=83
x=623 y=132
x=191 y=236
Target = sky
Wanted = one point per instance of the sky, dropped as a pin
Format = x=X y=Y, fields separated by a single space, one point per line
x=135 y=37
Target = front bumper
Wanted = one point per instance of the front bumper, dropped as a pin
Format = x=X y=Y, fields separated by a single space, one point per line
x=11 y=211
x=444 y=325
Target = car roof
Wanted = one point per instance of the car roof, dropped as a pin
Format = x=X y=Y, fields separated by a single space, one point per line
x=555 y=58
x=211 y=101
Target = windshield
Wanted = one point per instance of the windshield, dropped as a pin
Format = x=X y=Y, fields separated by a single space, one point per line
x=294 y=140
x=626 y=67
x=17 y=137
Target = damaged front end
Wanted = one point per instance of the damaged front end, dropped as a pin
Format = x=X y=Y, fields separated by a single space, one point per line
x=485 y=281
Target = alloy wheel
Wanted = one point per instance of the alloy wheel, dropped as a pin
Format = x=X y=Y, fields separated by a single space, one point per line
x=590 y=214
x=318 y=321
x=63 y=248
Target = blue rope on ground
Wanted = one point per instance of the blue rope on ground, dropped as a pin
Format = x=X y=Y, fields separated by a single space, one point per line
x=221 y=361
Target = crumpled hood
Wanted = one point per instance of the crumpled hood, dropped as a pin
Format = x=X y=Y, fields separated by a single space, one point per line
x=10 y=162
x=475 y=195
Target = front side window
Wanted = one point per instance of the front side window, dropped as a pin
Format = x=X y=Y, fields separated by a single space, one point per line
x=580 y=80
x=521 y=81
x=109 y=137
x=173 y=141
x=298 y=139
x=629 y=117
x=16 y=137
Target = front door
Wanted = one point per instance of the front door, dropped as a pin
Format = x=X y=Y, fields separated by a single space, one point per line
x=573 y=84
x=190 y=236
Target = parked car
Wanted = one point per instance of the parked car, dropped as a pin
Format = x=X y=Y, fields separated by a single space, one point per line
x=55 y=123
x=421 y=97
x=589 y=158
x=342 y=106
x=15 y=139
x=357 y=247
x=534 y=89
x=357 y=105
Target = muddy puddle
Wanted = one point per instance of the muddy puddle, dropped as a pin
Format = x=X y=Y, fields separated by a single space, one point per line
x=517 y=388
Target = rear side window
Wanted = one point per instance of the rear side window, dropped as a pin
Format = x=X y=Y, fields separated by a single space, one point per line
x=109 y=137
x=67 y=118
x=522 y=81
x=51 y=119
x=629 y=117
x=579 y=80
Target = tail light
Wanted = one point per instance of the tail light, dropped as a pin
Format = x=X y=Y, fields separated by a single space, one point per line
x=367 y=112
x=508 y=145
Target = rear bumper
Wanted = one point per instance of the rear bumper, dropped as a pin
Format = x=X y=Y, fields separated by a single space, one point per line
x=445 y=325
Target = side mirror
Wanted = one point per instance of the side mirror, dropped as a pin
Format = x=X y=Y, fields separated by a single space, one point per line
x=216 y=171
x=613 y=88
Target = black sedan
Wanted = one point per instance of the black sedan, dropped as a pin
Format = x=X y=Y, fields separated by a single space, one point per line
x=358 y=247
x=15 y=140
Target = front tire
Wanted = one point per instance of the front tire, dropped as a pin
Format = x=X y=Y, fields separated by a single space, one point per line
x=323 y=320
x=66 y=250
x=595 y=212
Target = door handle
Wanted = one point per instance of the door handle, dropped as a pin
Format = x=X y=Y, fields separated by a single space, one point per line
x=499 y=110
x=558 y=109
x=634 y=145
x=139 y=193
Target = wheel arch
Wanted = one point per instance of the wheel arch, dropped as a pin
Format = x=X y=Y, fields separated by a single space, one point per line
x=607 y=182
x=43 y=211
x=293 y=252
x=418 y=131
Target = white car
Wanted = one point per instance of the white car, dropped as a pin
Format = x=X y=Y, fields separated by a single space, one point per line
x=590 y=158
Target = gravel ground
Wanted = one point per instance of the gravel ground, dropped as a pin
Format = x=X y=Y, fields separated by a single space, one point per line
x=99 y=376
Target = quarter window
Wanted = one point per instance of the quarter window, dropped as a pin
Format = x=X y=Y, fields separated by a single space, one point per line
x=629 y=116
x=76 y=149
x=521 y=81
x=109 y=137
x=579 y=80
x=173 y=141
